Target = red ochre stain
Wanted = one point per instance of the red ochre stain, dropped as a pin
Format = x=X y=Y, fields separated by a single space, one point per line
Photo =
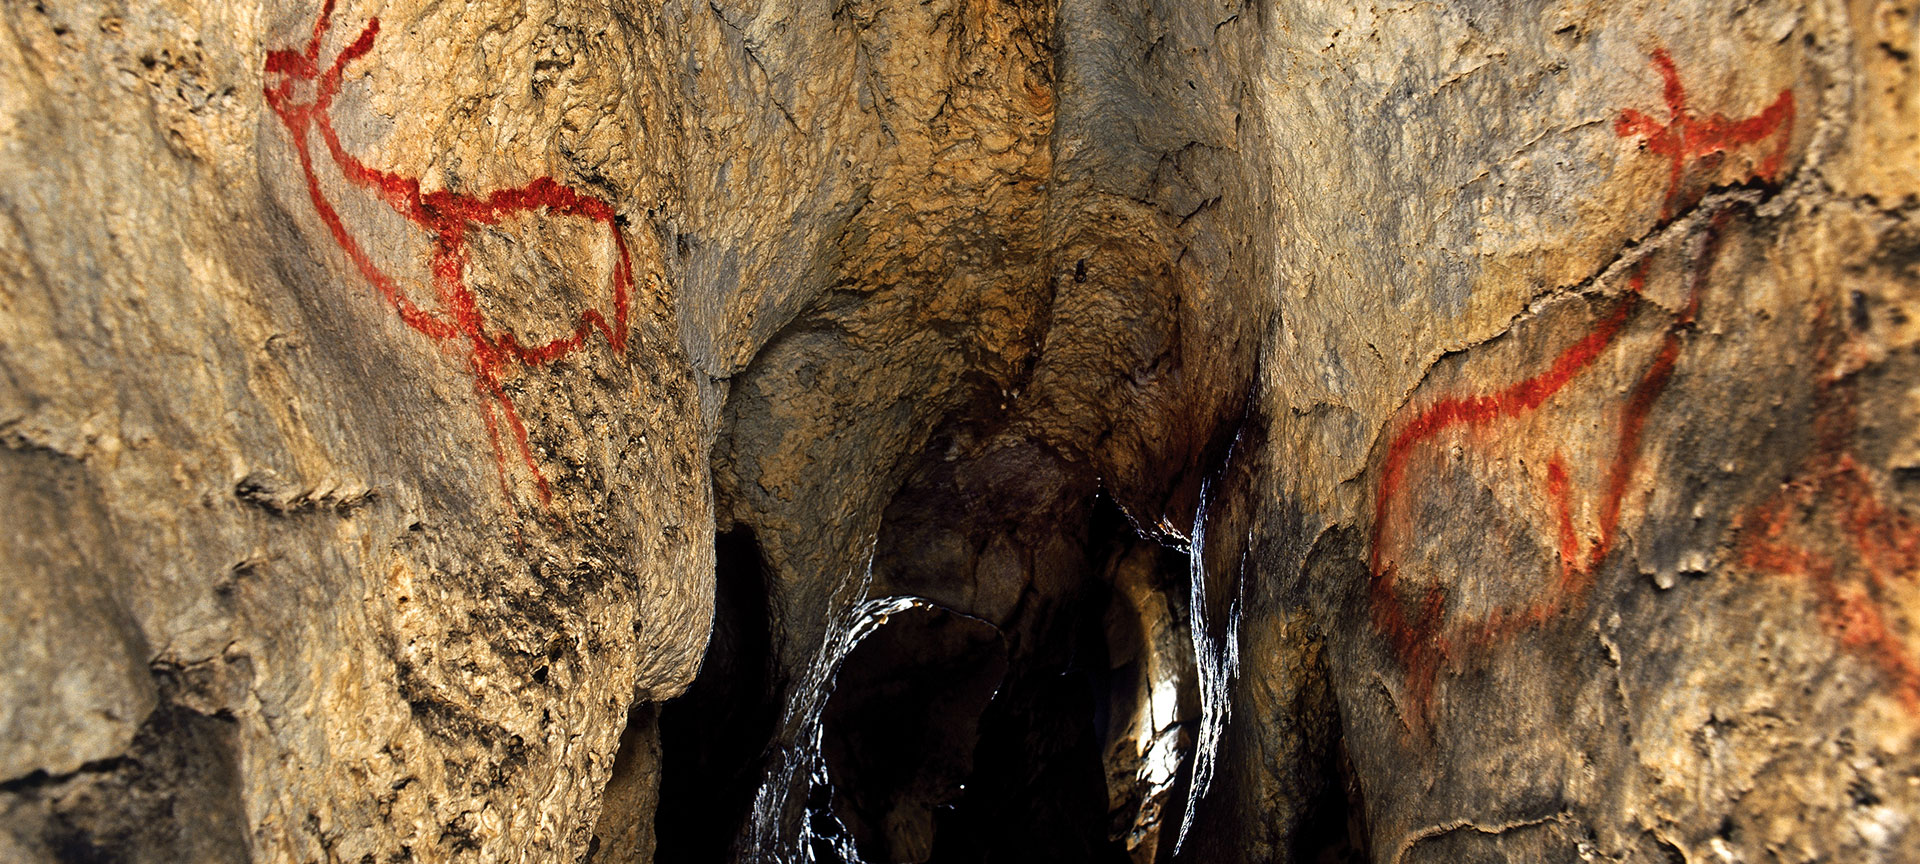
x=1885 y=545
x=1417 y=629
x=492 y=352
x=1687 y=136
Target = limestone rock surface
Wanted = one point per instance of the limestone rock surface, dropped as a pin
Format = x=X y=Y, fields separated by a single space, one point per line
x=1287 y=430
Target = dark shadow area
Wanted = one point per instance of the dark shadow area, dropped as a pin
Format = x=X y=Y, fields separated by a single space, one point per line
x=902 y=725
x=173 y=797
x=1039 y=788
x=713 y=737
x=1042 y=706
x=1038 y=791
x=951 y=739
x=1335 y=830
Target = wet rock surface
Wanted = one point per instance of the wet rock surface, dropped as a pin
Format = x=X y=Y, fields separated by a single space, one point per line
x=959 y=431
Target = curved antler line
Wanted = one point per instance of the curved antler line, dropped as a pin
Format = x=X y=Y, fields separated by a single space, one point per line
x=447 y=216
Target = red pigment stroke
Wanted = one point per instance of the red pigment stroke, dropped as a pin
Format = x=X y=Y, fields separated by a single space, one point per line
x=1687 y=136
x=1885 y=544
x=1418 y=631
x=447 y=216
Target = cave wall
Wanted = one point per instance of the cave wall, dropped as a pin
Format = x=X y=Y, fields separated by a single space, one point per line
x=1607 y=490
x=398 y=566
x=1525 y=385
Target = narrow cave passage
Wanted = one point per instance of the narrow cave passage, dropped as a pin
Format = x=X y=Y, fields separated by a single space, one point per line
x=713 y=736
x=1060 y=730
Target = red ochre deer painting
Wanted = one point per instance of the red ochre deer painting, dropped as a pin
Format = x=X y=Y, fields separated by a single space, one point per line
x=1421 y=633
x=303 y=99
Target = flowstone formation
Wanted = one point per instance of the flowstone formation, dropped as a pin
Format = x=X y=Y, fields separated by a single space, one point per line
x=966 y=430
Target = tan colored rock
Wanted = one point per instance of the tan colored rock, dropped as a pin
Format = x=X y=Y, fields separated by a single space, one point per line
x=1530 y=387
x=1610 y=555
x=302 y=511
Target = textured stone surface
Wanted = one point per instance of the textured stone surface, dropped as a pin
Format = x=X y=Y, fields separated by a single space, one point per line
x=625 y=830
x=1533 y=383
x=1606 y=496
x=240 y=471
